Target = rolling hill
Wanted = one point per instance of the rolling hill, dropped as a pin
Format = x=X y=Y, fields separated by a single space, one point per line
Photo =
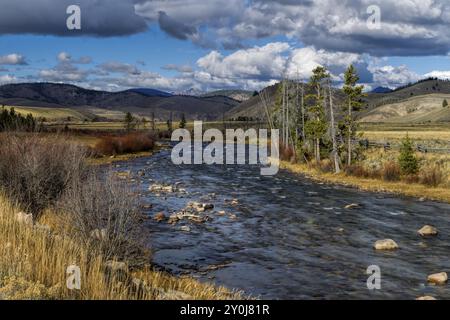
x=63 y=96
x=415 y=103
x=239 y=95
x=418 y=109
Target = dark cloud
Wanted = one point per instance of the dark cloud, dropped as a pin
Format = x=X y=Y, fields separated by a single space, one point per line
x=102 y=18
x=175 y=28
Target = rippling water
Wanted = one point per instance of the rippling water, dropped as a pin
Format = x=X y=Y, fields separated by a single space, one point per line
x=292 y=238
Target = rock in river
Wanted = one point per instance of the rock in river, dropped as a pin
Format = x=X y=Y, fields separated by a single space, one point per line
x=438 y=278
x=426 y=298
x=387 y=244
x=160 y=217
x=352 y=206
x=428 y=231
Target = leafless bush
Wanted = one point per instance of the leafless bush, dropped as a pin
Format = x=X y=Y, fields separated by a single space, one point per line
x=357 y=170
x=103 y=213
x=432 y=176
x=35 y=170
x=391 y=171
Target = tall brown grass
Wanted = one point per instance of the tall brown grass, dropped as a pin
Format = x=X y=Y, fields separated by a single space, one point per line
x=34 y=261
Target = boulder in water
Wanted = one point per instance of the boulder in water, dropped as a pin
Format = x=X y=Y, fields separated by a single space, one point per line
x=426 y=298
x=428 y=231
x=438 y=278
x=386 y=244
x=160 y=217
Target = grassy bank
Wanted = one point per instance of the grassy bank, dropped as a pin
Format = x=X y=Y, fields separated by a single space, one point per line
x=367 y=184
x=34 y=261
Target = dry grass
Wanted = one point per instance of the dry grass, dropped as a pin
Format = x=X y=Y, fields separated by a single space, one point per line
x=441 y=193
x=33 y=264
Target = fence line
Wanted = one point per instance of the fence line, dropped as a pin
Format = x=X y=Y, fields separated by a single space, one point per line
x=388 y=146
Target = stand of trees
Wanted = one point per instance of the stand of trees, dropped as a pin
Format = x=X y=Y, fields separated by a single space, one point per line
x=307 y=116
x=10 y=120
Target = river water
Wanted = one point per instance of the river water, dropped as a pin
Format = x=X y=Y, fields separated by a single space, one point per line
x=291 y=238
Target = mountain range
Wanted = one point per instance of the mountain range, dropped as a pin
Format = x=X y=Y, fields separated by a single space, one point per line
x=421 y=102
x=112 y=105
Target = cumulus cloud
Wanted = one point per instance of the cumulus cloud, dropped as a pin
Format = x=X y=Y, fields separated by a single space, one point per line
x=12 y=59
x=438 y=74
x=392 y=77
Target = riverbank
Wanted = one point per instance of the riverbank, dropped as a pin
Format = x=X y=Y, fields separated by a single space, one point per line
x=34 y=258
x=373 y=185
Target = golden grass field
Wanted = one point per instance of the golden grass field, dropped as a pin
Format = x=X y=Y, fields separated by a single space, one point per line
x=34 y=261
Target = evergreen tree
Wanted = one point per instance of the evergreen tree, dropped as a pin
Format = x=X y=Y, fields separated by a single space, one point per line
x=183 y=121
x=129 y=122
x=353 y=93
x=408 y=161
x=316 y=126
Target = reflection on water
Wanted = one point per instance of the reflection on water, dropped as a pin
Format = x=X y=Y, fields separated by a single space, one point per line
x=292 y=238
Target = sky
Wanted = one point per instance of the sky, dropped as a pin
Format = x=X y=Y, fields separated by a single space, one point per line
x=205 y=45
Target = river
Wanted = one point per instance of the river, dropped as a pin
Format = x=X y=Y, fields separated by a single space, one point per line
x=290 y=237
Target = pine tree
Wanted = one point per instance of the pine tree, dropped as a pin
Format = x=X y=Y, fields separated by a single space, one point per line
x=353 y=93
x=408 y=161
x=129 y=121
x=183 y=121
x=316 y=125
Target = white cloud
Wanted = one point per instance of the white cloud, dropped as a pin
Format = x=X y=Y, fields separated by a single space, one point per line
x=5 y=79
x=12 y=59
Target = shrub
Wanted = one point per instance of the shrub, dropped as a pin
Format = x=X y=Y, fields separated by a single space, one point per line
x=103 y=214
x=133 y=142
x=391 y=171
x=432 y=176
x=35 y=170
x=409 y=164
x=286 y=153
x=357 y=170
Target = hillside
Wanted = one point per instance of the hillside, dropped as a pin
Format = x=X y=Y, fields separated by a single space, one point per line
x=418 y=109
x=49 y=95
x=416 y=103
x=239 y=95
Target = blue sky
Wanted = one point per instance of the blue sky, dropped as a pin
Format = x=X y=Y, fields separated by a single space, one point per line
x=176 y=45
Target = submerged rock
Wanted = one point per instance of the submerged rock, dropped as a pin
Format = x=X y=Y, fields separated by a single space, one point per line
x=386 y=244
x=438 y=278
x=352 y=206
x=161 y=188
x=185 y=229
x=428 y=231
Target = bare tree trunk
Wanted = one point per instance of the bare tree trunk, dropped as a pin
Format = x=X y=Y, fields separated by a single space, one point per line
x=349 y=151
x=287 y=114
x=333 y=132
x=303 y=113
